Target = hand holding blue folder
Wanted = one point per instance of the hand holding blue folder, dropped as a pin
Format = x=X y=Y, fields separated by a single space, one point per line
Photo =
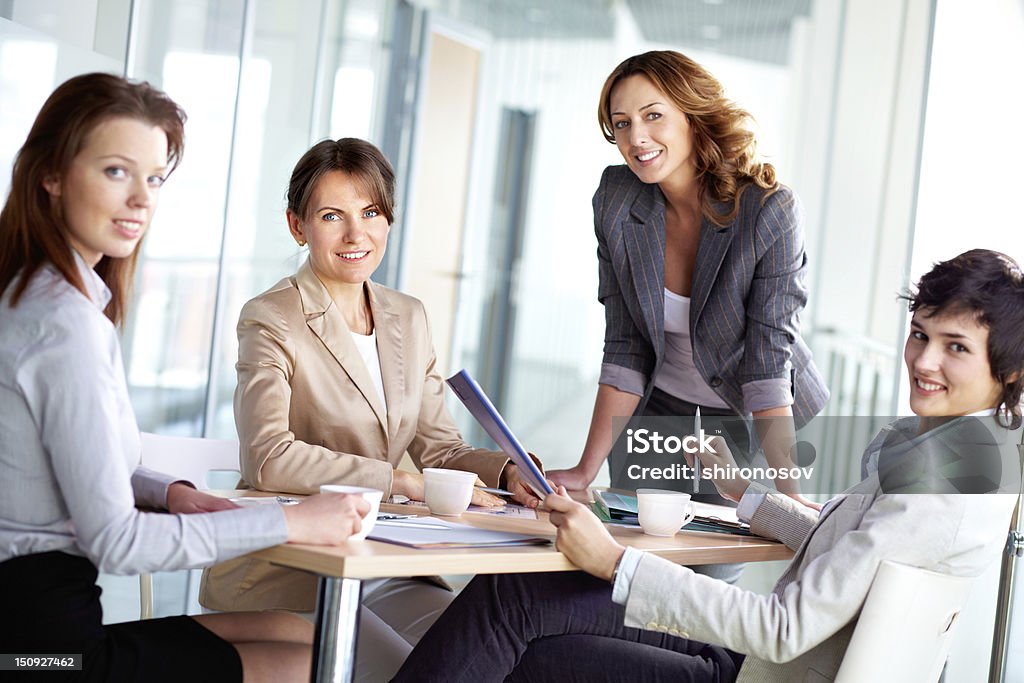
x=480 y=406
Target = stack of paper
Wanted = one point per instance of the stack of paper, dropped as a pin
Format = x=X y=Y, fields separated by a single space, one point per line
x=431 y=532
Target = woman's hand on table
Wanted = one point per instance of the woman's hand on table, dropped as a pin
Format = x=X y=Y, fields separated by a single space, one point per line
x=521 y=491
x=325 y=518
x=574 y=478
x=410 y=484
x=484 y=499
x=184 y=499
x=582 y=537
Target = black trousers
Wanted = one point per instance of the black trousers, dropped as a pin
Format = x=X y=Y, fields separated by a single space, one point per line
x=51 y=606
x=560 y=626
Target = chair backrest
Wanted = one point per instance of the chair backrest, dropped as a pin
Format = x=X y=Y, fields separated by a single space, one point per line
x=189 y=458
x=906 y=626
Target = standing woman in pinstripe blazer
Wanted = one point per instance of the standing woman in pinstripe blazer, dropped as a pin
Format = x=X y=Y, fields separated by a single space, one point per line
x=702 y=267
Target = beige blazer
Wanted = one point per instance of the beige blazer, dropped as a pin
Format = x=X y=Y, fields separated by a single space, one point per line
x=308 y=414
x=800 y=631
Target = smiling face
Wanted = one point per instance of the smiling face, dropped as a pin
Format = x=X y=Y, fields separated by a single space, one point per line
x=652 y=134
x=109 y=193
x=947 y=359
x=346 y=231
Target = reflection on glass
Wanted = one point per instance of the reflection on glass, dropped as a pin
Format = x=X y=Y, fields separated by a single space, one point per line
x=282 y=108
x=190 y=49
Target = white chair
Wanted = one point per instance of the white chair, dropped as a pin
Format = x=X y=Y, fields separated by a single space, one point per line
x=187 y=458
x=906 y=626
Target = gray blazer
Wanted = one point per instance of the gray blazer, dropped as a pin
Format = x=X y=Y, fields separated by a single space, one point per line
x=800 y=631
x=748 y=291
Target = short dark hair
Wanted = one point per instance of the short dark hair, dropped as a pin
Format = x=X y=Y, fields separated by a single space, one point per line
x=990 y=286
x=358 y=158
x=32 y=227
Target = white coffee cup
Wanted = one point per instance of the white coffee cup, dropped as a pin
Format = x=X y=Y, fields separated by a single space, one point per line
x=447 y=492
x=663 y=513
x=371 y=496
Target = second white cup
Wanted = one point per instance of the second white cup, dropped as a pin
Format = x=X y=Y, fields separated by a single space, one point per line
x=663 y=513
x=447 y=492
x=371 y=496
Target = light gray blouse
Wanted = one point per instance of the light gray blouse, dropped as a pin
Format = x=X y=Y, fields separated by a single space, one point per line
x=70 y=478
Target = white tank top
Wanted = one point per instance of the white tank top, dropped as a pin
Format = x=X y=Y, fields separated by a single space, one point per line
x=678 y=375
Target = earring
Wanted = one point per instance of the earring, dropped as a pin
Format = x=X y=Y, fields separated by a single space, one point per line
x=302 y=243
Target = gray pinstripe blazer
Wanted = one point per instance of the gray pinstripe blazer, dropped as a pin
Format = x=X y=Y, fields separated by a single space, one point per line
x=748 y=291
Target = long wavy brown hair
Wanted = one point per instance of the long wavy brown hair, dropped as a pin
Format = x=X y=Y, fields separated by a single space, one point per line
x=724 y=145
x=32 y=227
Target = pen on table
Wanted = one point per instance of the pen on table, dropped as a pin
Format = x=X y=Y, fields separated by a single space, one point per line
x=494 y=491
x=696 y=455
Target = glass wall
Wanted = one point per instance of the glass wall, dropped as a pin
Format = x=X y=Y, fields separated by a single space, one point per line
x=167 y=342
x=276 y=77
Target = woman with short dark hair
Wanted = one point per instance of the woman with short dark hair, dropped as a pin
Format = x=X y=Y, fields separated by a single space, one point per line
x=933 y=497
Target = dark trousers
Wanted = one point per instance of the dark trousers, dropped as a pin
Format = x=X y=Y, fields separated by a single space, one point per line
x=554 y=627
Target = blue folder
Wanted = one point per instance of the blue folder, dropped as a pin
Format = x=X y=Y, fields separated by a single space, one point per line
x=480 y=406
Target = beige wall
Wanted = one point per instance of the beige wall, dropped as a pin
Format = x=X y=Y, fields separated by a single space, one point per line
x=437 y=204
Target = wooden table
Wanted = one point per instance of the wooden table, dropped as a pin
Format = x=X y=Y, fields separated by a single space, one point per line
x=342 y=568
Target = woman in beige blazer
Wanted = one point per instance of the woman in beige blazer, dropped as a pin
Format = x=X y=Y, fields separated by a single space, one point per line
x=337 y=380
x=638 y=617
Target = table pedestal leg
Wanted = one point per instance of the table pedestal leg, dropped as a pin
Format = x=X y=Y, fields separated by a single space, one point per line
x=337 y=621
x=1004 y=599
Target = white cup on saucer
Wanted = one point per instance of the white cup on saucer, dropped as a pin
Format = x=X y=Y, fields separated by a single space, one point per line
x=371 y=496
x=663 y=513
x=448 y=492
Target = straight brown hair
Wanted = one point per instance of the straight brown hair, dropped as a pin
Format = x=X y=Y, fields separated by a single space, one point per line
x=32 y=226
x=358 y=158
